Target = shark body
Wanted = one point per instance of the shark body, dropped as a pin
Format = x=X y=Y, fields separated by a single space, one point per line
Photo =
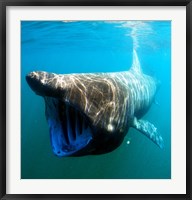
x=90 y=113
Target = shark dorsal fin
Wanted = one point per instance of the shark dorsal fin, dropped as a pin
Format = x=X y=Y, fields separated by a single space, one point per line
x=136 y=67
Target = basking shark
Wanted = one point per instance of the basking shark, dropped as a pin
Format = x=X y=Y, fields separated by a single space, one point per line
x=90 y=113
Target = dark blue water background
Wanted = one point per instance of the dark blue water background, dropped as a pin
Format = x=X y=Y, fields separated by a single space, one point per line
x=95 y=46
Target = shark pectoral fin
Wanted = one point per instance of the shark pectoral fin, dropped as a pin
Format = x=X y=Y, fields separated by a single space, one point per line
x=149 y=130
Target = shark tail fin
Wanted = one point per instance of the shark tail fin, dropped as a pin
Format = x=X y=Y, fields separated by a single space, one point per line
x=148 y=130
x=136 y=67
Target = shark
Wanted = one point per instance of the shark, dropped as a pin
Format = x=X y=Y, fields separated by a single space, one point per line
x=91 y=113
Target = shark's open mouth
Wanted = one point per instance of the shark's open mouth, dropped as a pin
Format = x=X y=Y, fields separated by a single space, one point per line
x=70 y=130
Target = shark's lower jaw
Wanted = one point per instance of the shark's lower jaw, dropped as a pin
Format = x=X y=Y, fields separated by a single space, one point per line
x=70 y=131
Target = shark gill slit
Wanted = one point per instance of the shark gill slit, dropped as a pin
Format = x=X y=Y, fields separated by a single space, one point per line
x=63 y=120
x=73 y=123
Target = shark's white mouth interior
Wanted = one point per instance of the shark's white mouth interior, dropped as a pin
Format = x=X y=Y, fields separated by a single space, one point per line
x=69 y=129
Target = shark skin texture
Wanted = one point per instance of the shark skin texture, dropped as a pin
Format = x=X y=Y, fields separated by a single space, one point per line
x=90 y=113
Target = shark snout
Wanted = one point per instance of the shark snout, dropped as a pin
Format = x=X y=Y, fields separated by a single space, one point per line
x=39 y=83
x=33 y=81
x=42 y=83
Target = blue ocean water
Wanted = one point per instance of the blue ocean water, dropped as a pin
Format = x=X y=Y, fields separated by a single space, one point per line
x=95 y=46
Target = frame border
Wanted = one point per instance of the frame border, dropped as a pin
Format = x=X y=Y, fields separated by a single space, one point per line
x=3 y=5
